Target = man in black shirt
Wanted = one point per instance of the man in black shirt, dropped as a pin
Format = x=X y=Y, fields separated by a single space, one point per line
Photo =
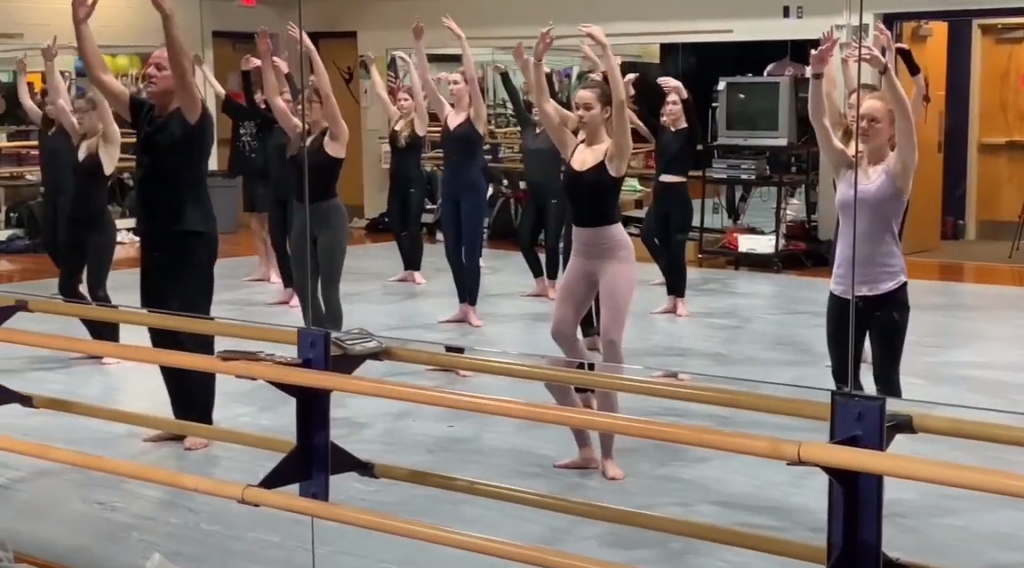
x=175 y=220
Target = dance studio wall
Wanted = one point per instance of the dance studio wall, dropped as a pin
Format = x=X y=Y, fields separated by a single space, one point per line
x=134 y=23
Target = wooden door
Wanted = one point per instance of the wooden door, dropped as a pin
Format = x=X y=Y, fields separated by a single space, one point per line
x=341 y=57
x=923 y=229
x=999 y=162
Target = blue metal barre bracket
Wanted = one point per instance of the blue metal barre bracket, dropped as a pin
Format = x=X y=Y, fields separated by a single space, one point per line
x=315 y=458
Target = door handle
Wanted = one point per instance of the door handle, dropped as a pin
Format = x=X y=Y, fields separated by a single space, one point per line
x=942 y=131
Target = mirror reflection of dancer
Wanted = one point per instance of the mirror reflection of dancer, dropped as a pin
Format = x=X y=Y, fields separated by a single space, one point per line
x=463 y=181
x=544 y=207
x=90 y=237
x=251 y=128
x=669 y=218
x=176 y=225
x=319 y=239
x=869 y=279
x=56 y=156
x=603 y=258
x=407 y=186
x=845 y=120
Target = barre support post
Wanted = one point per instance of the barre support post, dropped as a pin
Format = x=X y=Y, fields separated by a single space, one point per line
x=315 y=458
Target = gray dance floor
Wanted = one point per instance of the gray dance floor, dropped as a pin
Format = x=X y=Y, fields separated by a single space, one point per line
x=963 y=349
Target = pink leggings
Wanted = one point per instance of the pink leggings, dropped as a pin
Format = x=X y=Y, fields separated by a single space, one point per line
x=603 y=260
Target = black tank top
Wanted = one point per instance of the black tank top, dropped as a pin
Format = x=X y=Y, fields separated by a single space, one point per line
x=57 y=157
x=592 y=194
x=463 y=147
x=323 y=171
x=89 y=196
x=406 y=160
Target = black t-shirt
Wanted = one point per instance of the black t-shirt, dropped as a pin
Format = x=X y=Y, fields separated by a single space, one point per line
x=249 y=129
x=171 y=169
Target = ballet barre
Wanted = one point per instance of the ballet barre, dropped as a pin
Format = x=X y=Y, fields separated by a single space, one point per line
x=697 y=530
x=33 y=144
x=824 y=455
x=123 y=165
x=724 y=397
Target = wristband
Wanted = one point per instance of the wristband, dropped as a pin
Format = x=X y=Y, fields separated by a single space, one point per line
x=817 y=76
x=538 y=61
x=907 y=57
x=884 y=70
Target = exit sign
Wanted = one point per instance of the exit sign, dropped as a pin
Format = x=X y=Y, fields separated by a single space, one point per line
x=247 y=3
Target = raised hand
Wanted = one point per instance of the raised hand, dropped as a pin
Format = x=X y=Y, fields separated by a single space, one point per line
x=629 y=79
x=369 y=59
x=249 y=63
x=595 y=34
x=263 y=44
x=670 y=85
x=868 y=55
x=883 y=36
x=197 y=60
x=417 y=30
x=49 y=50
x=403 y=57
x=279 y=64
x=823 y=54
x=453 y=27
x=20 y=66
x=299 y=36
x=82 y=10
x=163 y=7
x=544 y=42
x=519 y=52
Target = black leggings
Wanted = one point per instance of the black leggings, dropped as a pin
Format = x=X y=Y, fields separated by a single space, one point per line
x=883 y=318
x=279 y=224
x=590 y=325
x=89 y=248
x=666 y=230
x=544 y=210
x=406 y=199
x=176 y=275
x=52 y=225
x=463 y=210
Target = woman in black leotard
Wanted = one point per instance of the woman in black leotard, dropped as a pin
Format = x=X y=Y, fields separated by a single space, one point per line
x=91 y=236
x=544 y=208
x=56 y=154
x=319 y=239
x=463 y=182
x=603 y=259
x=667 y=223
x=407 y=186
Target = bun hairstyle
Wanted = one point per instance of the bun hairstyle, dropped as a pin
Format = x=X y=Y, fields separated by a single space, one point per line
x=600 y=89
x=405 y=131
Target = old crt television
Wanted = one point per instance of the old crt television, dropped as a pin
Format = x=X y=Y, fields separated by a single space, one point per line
x=757 y=111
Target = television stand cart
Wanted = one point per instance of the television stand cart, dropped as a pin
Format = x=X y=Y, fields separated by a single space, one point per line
x=778 y=258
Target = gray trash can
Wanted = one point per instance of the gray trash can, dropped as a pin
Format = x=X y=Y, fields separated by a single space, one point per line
x=226 y=195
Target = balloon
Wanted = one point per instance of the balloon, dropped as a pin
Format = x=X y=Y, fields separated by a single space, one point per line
x=136 y=63
x=109 y=61
x=122 y=65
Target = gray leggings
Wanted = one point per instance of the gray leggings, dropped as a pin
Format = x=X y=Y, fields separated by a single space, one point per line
x=318 y=243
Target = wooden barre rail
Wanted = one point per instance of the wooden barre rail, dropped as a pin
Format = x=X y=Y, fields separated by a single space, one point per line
x=33 y=144
x=707 y=532
x=351 y=516
x=971 y=478
x=959 y=428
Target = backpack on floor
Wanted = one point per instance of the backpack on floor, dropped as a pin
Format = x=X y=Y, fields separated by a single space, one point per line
x=504 y=218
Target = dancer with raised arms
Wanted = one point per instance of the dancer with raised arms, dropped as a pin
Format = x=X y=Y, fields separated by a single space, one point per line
x=175 y=222
x=319 y=239
x=603 y=258
x=407 y=186
x=463 y=183
x=869 y=279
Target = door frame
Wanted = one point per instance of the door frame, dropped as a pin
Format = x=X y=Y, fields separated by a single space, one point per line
x=961 y=130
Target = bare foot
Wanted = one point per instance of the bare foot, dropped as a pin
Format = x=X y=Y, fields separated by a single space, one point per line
x=294 y=303
x=282 y=298
x=456 y=371
x=109 y=361
x=673 y=375
x=658 y=282
x=592 y=344
x=192 y=444
x=538 y=291
x=681 y=311
x=257 y=277
x=551 y=293
x=401 y=277
x=474 y=320
x=668 y=307
x=586 y=460
x=461 y=316
x=611 y=471
x=275 y=278
x=161 y=437
x=418 y=279
x=588 y=400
